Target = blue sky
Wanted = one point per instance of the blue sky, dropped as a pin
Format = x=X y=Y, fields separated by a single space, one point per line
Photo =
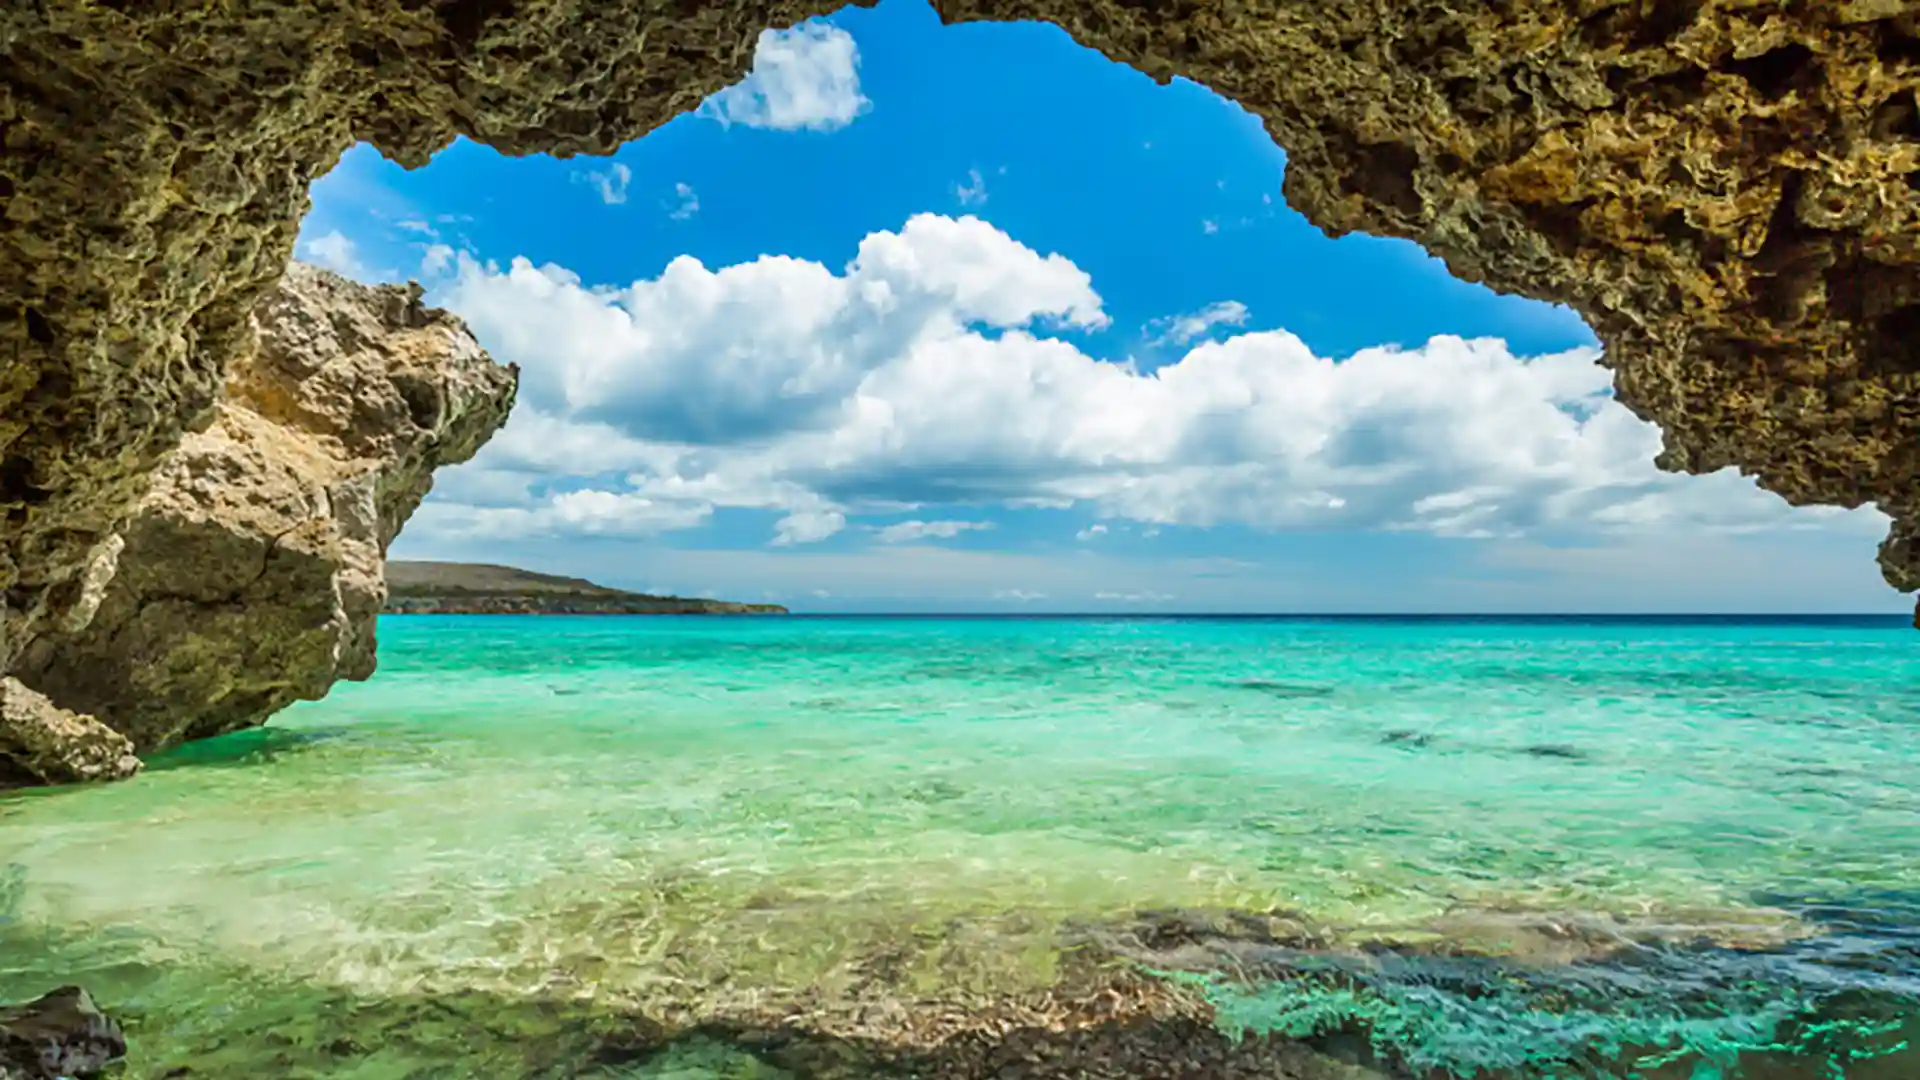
x=969 y=318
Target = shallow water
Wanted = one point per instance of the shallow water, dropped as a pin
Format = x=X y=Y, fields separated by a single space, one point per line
x=693 y=819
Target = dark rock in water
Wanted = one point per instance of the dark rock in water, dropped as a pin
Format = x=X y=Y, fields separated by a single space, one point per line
x=59 y=1035
x=1284 y=689
x=1406 y=738
x=1556 y=750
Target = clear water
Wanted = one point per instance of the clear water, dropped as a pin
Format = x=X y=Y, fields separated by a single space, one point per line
x=524 y=833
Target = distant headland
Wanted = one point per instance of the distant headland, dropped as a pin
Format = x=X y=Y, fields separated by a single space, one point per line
x=450 y=588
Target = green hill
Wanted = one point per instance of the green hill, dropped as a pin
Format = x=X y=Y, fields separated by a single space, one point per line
x=449 y=588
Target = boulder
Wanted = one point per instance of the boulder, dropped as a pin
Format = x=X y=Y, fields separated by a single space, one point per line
x=250 y=576
x=59 y=1035
x=42 y=743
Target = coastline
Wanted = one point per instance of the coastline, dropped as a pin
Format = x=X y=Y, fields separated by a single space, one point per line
x=512 y=605
x=445 y=588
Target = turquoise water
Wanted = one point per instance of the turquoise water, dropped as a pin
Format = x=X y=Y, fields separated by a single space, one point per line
x=1548 y=849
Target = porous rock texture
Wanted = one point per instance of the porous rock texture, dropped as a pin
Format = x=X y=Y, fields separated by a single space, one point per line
x=1728 y=190
x=252 y=573
x=42 y=743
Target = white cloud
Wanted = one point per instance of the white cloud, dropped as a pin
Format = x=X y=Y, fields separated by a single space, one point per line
x=1023 y=596
x=1148 y=597
x=760 y=348
x=688 y=204
x=572 y=513
x=1183 y=329
x=921 y=375
x=610 y=184
x=1209 y=226
x=808 y=526
x=437 y=260
x=1090 y=532
x=973 y=192
x=905 y=532
x=804 y=78
x=337 y=253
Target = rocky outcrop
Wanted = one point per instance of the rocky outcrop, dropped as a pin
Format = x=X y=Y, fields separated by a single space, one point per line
x=251 y=574
x=42 y=743
x=61 y=1034
x=1729 y=191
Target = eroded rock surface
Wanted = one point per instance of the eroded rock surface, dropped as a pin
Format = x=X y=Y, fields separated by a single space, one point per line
x=251 y=574
x=42 y=743
x=1729 y=190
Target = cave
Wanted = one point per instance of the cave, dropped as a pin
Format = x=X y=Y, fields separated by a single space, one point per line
x=1725 y=191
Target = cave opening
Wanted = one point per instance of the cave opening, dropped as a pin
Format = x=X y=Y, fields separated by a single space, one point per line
x=870 y=143
x=998 y=338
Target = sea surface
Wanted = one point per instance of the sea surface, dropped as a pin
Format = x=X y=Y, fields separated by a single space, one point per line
x=627 y=847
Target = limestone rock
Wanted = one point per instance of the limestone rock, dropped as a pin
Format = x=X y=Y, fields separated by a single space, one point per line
x=61 y=1034
x=42 y=743
x=251 y=574
x=1729 y=191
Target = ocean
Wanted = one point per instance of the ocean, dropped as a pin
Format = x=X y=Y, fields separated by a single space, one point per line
x=814 y=847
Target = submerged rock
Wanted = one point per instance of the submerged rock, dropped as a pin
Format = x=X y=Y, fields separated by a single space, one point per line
x=251 y=575
x=61 y=1034
x=42 y=743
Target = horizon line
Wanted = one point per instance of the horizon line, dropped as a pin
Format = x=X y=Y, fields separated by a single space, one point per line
x=1384 y=615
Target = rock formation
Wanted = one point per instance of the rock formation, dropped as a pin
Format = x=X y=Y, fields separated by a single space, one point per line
x=1728 y=190
x=251 y=574
x=42 y=743
x=60 y=1034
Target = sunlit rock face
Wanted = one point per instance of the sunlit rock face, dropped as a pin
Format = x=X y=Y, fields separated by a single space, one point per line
x=251 y=574
x=1729 y=191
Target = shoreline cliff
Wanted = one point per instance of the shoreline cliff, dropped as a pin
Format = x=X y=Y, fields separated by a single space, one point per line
x=250 y=575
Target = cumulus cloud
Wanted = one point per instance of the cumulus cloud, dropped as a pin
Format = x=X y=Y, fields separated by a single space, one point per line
x=571 y=513
x=905 y=532
x=337 y=253
x=808 y=526
x=610 y=183
x=437 y=260
x=923 y=374
x=763 y=348
x=1183 y=329
x=804 y=78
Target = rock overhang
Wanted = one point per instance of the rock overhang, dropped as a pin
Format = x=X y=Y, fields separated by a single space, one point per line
x=1727 y=190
